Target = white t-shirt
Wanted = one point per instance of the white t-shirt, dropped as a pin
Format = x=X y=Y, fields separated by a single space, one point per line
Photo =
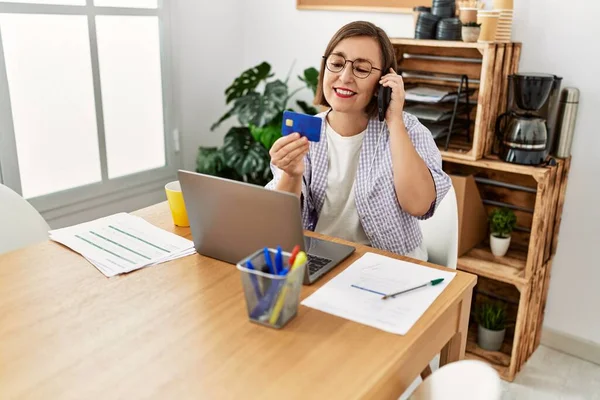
x=338 y=216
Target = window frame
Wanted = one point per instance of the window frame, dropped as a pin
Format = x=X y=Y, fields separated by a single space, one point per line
x=57 y=204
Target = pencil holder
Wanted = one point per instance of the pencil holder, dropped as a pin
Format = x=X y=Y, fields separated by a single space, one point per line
x=271 y=299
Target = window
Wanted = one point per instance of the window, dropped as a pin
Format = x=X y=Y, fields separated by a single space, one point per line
x=82 y=99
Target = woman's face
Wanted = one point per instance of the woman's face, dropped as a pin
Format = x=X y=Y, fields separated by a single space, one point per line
x=344 y=90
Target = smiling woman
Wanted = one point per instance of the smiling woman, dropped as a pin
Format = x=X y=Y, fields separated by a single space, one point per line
x=365 y=181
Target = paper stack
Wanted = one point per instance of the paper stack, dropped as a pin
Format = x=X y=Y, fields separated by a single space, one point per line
x=122 y=243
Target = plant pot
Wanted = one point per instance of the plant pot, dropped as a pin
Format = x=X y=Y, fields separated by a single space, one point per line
x=499 y=245
x=488 y=339
x=470 y=33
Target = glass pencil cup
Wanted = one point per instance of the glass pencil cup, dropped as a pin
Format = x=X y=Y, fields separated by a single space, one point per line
x=271 y=299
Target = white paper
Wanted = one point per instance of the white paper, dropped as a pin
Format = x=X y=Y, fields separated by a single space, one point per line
x=427 y=94
x=383 y=275
x=122 y=243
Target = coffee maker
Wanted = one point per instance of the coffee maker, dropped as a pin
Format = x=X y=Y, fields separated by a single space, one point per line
x=527 y=129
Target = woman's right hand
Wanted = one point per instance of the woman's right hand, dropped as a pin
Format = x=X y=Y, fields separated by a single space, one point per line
x=287 y=154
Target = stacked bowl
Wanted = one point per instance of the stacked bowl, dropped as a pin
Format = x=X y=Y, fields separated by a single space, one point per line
x=426 y=26
x=443 y=8
x=449 y=29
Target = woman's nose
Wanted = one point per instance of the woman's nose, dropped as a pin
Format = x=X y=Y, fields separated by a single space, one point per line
x=347 y=74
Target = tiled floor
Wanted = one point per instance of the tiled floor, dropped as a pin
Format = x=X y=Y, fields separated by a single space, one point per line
x=552 y=375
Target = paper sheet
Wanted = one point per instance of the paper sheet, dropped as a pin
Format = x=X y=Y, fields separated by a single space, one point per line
x=122 y=243
x=380 y=275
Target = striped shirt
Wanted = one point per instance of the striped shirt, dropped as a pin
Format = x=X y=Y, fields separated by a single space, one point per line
x=387 y=226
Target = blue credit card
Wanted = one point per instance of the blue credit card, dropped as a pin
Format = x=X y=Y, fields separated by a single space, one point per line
x=304 y=124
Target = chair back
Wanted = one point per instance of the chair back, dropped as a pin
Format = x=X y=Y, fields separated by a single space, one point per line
x=20 y=223
x=461 y=380
x=440 y=232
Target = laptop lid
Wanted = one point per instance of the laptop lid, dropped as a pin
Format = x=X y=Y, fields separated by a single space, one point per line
x=231 y=220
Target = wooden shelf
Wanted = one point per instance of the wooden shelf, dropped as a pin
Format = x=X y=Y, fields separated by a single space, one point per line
x=499 y=360
x=438 y=43
x=539 y=173
x=508 y=269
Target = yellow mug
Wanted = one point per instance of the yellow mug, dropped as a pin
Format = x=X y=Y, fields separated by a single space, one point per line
x=176 y=203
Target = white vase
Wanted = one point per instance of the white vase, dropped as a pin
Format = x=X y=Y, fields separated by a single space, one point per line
x=499 y=245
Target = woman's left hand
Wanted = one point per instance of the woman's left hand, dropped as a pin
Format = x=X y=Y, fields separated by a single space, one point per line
x=396 y=107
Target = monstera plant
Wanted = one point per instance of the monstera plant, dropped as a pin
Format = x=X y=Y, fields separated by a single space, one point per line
x=258 y=101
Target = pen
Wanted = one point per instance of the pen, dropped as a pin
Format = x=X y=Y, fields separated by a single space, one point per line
x=278 y=261
x=299 y=260
x=268 y=261
x=294 y=254
x=254 y=280
x=432 y=283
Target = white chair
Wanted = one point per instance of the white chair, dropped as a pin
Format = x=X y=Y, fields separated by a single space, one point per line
x=20 y=223
x=461 y=380
x=440 y=232
x=440 y=235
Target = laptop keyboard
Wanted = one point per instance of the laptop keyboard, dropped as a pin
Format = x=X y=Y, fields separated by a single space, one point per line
x=315 y=263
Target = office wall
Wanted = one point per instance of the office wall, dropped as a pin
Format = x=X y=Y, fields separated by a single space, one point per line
x=207 y=45
x=275 y=31
x=554 y=44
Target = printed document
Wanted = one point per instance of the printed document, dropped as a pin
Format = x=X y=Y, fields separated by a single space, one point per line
x=356 y=293
x=122 y=243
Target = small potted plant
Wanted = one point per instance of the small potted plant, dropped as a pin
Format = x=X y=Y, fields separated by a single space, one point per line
x=470 y=31
x=502 y=223
x=491 y=326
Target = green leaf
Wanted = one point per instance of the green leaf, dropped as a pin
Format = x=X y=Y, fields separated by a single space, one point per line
x=266 y=135
x=311 y=79
x=245 y=155
x=259 y=109
x=502 y=222
x=209 y=161
x=223 y=118
x=248 y=81
x=307 y=108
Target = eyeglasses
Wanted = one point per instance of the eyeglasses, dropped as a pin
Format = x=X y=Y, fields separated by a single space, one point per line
x=360 y=68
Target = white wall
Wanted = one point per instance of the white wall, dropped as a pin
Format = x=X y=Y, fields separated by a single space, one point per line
x=554 y=44
x=207 y=54
x=276 y=32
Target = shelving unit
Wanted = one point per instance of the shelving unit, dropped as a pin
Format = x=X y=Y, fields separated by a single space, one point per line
x=440 y=63
x=521 y=278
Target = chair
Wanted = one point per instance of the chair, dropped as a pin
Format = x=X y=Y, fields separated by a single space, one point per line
x=461 y=380
x=440 y=235
x=440 y=232
x=20 y=223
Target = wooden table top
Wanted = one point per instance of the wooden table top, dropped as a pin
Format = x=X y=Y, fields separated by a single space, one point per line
x=180 y=330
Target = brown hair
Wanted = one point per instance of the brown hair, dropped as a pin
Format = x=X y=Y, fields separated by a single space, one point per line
x=353 y=29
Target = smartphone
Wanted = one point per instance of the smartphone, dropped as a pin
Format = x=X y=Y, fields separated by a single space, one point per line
x=304 y=124
x=383 y=101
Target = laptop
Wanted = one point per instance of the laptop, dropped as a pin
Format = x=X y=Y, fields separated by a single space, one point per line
x=230 y=220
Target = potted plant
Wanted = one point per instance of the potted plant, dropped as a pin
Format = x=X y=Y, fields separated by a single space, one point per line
x=491 y=326
x=470 y=31
x=502 y=223
x=244 y=155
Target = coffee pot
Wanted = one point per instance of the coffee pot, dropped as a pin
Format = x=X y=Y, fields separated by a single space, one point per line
x=525 y=132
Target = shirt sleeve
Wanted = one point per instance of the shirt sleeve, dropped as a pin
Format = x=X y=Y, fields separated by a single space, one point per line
x=306 y=202
x=426 y=148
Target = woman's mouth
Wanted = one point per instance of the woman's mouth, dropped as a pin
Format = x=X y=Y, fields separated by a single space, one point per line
x=343 y=92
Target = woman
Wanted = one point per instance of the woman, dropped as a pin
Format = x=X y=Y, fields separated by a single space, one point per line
x=365 y=181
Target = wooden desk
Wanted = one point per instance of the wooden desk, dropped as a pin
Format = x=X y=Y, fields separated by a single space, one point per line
x=180 y=330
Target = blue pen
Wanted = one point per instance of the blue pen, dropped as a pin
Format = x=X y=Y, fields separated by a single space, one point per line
x=278 y=261
x=268 y=261
x=254 y=280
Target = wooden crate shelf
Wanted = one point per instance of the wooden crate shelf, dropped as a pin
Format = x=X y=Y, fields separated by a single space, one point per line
x=521 y=278
x=441 y=63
